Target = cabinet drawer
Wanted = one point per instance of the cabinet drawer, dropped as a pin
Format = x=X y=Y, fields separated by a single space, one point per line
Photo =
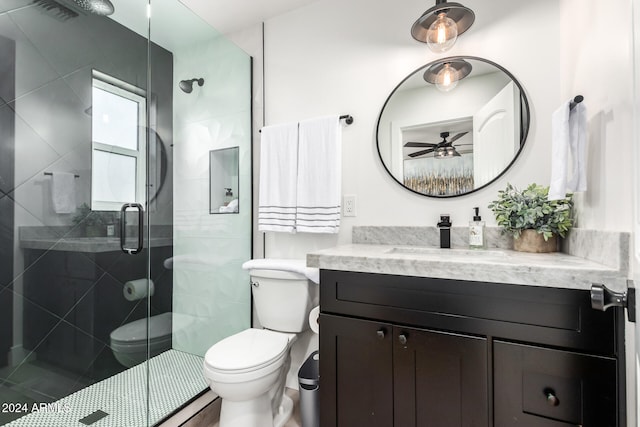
x=536 y=386
x=548 y=316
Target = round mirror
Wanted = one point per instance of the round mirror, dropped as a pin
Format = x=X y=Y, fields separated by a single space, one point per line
x=453 y=126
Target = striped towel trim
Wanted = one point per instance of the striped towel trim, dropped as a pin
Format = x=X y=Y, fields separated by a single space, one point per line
x=277 y=218
x=318 y=219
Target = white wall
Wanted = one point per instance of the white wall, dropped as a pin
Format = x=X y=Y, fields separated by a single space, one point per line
x=346 y=57
x=596 y=62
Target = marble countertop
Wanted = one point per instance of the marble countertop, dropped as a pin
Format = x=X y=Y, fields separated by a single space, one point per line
x=86 y=244
x=66 y=238
x=496 y=265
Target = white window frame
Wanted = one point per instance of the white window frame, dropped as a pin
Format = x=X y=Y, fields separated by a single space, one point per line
x=117 y=87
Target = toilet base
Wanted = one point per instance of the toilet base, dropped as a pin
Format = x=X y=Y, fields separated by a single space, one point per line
x=284 y=412
x=254 y=413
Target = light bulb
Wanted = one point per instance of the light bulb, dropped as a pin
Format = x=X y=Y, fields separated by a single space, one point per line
x=447 y=78
x=442 y=34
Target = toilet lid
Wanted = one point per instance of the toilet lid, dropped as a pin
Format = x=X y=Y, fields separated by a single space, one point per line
x=247 y=350
x=159 y=327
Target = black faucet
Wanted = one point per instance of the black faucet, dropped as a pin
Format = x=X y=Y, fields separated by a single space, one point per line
x=445 y=231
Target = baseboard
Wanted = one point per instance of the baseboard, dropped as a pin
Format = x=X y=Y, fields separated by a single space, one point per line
x=18 y=354
x=182 y=417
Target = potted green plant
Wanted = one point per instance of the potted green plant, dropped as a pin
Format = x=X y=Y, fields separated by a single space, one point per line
x=531 y=218
x=93 y=222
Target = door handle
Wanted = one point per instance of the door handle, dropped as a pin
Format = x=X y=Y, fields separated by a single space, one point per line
x=603 y=298
x=123 y=228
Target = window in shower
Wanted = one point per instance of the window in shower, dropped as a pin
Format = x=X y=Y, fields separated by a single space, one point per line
x=118 y=143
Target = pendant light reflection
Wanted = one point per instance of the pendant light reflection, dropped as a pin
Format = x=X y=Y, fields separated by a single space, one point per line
x=441 y=25
x=445 y=75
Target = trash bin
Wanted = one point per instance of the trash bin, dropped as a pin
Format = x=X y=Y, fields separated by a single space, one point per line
x=309 y=381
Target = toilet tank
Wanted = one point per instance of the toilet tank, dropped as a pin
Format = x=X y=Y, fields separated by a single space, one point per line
x=283 y=299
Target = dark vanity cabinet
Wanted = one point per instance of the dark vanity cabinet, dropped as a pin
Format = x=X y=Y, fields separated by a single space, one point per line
x=409 y=351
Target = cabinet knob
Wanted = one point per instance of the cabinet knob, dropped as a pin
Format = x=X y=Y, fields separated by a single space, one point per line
x=552 y=399
x=380 y=334
x=402 y=338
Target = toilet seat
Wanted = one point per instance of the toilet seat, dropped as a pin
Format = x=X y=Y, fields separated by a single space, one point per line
x=248 y=354
x=247 y=351
x=133 y=336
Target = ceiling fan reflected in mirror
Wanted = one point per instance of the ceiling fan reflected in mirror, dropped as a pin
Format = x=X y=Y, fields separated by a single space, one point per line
x=441 y=150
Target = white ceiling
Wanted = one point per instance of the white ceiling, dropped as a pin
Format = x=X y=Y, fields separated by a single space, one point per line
x=228 y=16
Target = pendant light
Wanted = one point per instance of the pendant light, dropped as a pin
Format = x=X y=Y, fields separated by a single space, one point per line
x=447 y=73
x=441 y=25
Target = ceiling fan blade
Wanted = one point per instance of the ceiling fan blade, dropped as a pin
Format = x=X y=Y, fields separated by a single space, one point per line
x=419 y=144
x=458 y=136
x=462 y=145
x=421 y=152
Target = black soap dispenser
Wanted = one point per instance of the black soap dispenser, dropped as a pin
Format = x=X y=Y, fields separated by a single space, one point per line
x=476 y=231
x=445 y=231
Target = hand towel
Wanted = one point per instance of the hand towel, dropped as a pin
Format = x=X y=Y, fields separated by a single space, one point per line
x=319 y=175
x=578 y=148
x=568 y=137
x=63 y=192
x=293 y=265
x=278 y=171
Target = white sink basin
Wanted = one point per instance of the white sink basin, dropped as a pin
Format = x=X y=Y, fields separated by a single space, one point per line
x=422 y=251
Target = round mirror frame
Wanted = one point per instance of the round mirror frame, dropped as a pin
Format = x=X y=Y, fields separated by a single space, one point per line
x=525 y=114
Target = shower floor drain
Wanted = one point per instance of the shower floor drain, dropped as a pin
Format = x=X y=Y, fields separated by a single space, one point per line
x=92 y=418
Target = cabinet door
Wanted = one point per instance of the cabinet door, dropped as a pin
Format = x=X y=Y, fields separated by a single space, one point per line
x=356 y=373
x=541 y=387
x=440 y=379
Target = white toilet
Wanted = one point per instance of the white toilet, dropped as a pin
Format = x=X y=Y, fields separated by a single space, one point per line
x=129 y=341
x=248 y=370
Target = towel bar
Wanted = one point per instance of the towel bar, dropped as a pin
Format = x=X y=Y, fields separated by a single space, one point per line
x=348 y=119
x=577 y=100
x=51 y=173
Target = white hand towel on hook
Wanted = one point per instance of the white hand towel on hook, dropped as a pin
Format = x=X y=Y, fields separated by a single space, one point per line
x=63 y=192
x=319 y=175
x=278 y=172
x=569 y=136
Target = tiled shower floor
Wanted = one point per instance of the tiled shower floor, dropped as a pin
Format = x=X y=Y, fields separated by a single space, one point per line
x=35 y=382
x=175 y=378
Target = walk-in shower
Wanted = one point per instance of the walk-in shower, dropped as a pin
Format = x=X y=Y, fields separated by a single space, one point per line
x=114 y=276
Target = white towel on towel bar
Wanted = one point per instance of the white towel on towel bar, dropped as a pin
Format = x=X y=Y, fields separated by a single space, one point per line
x=568 y=137
x=278 y=171
x=293 y=265
x=63 y=192
x=319 y=175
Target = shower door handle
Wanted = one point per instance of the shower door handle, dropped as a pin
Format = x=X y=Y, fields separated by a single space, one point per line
x=123 y=228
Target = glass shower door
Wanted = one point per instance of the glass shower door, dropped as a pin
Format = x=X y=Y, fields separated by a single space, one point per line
x=73 y=147
x=206 y=126
x=94 y=115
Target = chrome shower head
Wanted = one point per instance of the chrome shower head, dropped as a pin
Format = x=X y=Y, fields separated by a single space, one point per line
x=187 y=85
x=97 y=7
x=67 y=9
